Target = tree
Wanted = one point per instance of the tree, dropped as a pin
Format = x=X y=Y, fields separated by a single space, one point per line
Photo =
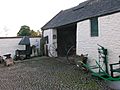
x=33 y=33
x=24 y=31
x=39 y=33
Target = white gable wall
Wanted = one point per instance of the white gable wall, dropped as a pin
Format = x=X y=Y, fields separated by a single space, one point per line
x=48 y=33
x=51 y=41
x=109 y=37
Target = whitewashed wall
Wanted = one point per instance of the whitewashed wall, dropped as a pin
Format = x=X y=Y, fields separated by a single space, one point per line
x=48 y=33
x=9 y=45
x=109 y=37
x=85 y=43
x=51 y=41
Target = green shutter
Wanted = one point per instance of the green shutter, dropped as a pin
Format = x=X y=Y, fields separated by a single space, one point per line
x=94 y=26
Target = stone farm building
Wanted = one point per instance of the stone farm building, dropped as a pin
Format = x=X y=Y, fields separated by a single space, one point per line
x=86 y=25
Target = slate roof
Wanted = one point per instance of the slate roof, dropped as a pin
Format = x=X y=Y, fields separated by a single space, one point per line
x=85 y=10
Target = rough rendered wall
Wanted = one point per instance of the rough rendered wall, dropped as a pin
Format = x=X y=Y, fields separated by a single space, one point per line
x=49 y=34
x=51 y=41
x=109 y=37
x=85 y=43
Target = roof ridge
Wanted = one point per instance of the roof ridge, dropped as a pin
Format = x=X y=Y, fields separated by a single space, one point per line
x=85 y=10
x=85 y=3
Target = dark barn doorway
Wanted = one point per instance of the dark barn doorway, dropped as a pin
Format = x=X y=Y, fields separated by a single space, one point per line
x=66 y=37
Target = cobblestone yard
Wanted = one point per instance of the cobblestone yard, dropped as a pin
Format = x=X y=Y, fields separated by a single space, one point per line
x=45 y=73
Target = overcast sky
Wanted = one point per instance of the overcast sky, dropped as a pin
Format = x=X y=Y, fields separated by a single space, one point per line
x=34 y=13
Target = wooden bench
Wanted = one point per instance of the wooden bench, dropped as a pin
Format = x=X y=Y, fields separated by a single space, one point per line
x=114 y=70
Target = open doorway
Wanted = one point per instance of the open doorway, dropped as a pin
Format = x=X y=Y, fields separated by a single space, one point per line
x=66 y=37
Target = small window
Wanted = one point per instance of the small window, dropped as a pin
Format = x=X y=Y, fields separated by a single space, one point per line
x=54 y=36
x=94 y=26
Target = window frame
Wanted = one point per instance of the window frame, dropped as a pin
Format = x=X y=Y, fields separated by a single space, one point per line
x=94 y=30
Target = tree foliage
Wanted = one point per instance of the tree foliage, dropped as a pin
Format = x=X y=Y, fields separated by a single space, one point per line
x=39 y=33
x=33 y=33
x=25 y=31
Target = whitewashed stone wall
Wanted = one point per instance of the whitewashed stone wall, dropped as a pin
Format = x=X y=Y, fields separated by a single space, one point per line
x=48 y=33
x=85 y=43
x=109 y=37
x=9 y=45
x=52 y=42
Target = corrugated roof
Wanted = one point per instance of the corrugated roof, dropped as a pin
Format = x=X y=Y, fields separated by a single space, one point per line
x=85 y=10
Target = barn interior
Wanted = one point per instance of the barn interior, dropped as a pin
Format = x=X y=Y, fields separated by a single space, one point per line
x=66 y=37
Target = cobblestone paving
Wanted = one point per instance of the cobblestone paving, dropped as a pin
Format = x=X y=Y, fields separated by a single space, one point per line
x=45 y=73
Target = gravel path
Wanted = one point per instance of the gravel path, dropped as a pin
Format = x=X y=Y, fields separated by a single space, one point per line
x=45 y=73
